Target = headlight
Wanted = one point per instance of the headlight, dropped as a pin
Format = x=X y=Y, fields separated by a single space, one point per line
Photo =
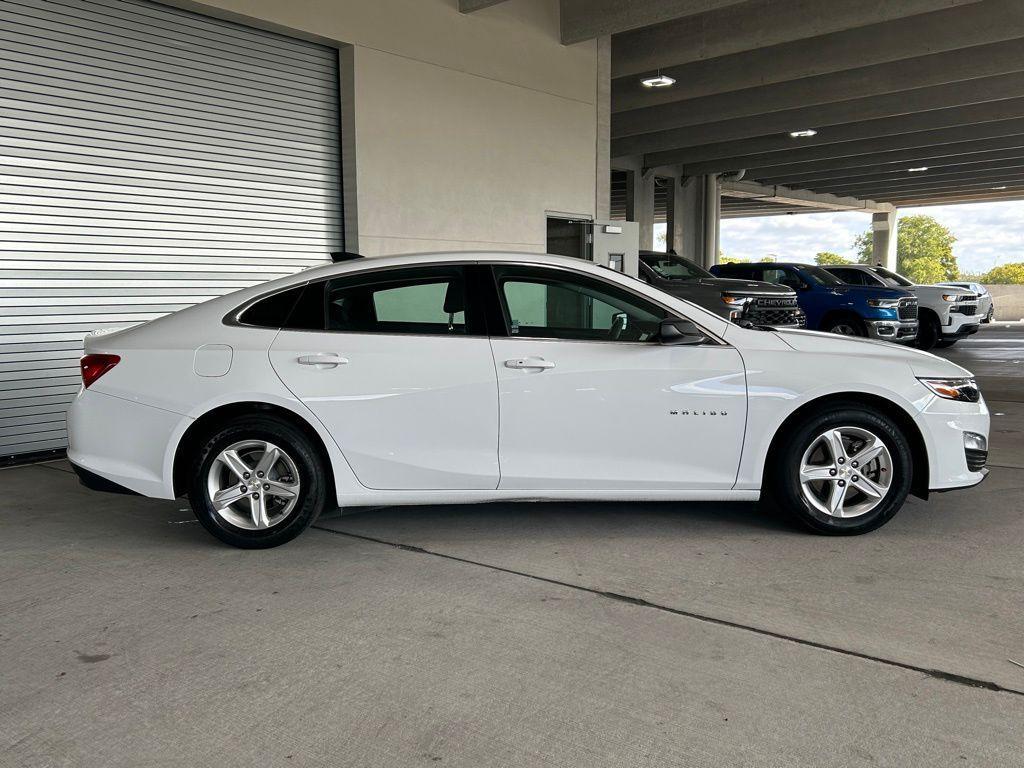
x=965 y=390
x=950 y=297
x=735 y=301
x=884 y=303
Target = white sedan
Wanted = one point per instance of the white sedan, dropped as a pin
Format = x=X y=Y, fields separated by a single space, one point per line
x=473 y=377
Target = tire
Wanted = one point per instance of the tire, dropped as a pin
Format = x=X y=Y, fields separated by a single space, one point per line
x=928 y=332
x=990 y=315
x=888 y=475
x=295 y=468
x=845 y=325
x=945 y=343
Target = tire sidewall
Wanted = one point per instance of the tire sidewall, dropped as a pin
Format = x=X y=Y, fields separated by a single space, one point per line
x=787 y=468
x=853 y=322
x=928 y=333
x=312 y=481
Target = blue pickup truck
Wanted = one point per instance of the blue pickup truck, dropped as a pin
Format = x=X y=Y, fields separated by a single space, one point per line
x=831 y=305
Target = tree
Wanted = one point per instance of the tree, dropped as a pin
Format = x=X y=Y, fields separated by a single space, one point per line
x=864 y=245
x=1005 y=274
x=924 y=250
x=723 y=259
x=828 y=257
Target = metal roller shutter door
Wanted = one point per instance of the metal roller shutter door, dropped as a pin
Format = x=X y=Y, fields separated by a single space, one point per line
x=150 y=158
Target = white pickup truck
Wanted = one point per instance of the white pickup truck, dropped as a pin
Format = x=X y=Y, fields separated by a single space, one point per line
x=947 y=313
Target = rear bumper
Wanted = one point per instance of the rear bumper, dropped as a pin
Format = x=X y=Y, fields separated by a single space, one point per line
x=122 y=443
x=95 y=482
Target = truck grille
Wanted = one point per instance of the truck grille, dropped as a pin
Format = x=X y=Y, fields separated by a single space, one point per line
x=907 y=309
x=777 y=312
x=967 y=307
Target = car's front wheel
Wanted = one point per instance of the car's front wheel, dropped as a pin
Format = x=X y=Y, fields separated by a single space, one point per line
x=846 y=471
x=257 y=482
x=845 y=325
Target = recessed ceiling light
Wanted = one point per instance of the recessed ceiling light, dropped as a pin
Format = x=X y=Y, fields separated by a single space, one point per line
x=659 y=81
x=804 y=134
x=922 y=169
x=999 y=188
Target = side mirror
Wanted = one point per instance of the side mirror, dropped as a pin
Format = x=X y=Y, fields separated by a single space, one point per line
x=675 y=331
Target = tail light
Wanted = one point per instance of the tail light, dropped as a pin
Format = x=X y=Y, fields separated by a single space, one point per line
x=94 y=366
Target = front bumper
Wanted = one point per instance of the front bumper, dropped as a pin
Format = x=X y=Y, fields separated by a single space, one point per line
x=900 y=331
x=958 y=326
x=943 y=423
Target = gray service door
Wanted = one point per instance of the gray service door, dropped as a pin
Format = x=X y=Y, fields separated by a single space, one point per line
x=150 y=158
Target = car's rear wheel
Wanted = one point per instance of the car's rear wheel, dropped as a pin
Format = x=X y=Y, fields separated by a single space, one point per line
x=844 y=472
x=257 y=482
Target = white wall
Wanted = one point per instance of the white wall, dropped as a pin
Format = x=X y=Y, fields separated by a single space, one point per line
x=468 y=127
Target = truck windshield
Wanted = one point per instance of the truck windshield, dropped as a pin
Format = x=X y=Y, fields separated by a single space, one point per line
x=670 y=267
x=891 y=278
x=821 y=276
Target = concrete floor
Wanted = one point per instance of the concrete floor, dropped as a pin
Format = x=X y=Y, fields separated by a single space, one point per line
x=556 y=634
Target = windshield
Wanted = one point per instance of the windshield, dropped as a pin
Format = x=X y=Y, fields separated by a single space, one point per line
x=891 y=278
x=821 y=276
x=668 y=266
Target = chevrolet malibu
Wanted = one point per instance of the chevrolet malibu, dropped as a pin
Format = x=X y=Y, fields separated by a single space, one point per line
x=473 y=377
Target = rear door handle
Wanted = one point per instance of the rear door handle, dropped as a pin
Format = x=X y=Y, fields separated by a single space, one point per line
x=323 y=360
x=527 y=363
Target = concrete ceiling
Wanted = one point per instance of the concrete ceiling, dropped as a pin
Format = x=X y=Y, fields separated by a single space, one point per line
x=887 y=84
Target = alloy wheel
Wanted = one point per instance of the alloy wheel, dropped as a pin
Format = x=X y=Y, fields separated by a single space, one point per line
x=253 y=485
x=845 y=472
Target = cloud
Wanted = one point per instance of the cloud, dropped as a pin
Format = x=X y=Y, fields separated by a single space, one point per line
x=987 y=233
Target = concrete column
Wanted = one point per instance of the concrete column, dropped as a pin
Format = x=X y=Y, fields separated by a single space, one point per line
x=883 y=237
x=602 y=166
x=696 y=220
x=712 y=219
x=643 y=199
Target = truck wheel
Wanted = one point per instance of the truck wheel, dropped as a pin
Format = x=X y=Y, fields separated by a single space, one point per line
x=928 y=332
x=845 y=325
x=843 y=472
x=257 y=482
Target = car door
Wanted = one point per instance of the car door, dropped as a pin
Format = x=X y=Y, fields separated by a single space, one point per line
x=589 y=399
x=397 y=365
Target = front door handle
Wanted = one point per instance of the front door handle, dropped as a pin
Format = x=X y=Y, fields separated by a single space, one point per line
x=323 y=360
x=527 y=363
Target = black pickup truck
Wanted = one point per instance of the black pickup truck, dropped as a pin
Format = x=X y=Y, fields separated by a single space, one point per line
x=741 y=301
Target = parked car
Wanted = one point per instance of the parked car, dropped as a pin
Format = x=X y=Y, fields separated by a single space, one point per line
x=472 y=377
x=889 y=314
x=986 y=304
x=946 y=314
x=742 y=301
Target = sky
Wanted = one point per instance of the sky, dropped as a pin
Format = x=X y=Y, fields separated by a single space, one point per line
x=987 y=233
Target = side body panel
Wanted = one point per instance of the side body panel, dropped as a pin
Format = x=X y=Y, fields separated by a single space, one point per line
x=619 y=416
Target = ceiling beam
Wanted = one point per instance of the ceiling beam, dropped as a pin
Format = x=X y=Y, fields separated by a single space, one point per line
x=979 y=184
x=468 y=6
x=798 y=197
x=968 y=200
x=1002 y=148
x=948 y=167
x=845 y=141
x=587 y=19
x=755 y=24
x=951 y=198
x=981 y=23
x=944 y=105
x=864 y=82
